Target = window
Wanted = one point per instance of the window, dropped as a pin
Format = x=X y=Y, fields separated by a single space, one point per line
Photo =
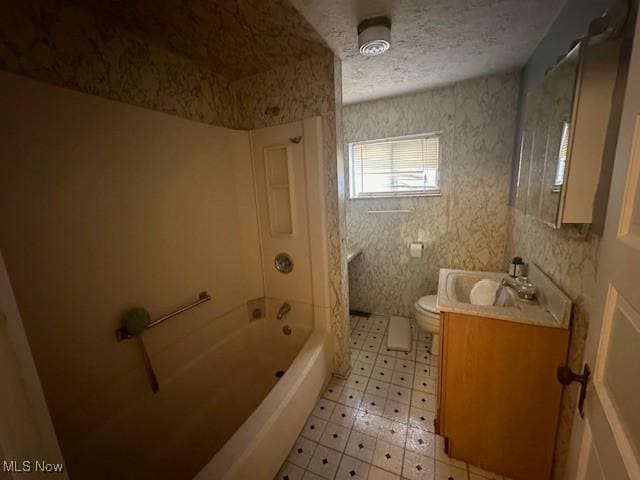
x=562 y=157
x=395 y=166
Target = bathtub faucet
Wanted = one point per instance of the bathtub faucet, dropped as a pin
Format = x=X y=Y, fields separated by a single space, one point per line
x=284 y=309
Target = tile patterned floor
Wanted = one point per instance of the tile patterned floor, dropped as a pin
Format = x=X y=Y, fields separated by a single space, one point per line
x=378 y=423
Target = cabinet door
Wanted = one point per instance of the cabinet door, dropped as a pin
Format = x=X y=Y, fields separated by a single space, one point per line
x=500 y=395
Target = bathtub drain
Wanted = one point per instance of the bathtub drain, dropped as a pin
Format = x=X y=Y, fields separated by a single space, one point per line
x=279 y=373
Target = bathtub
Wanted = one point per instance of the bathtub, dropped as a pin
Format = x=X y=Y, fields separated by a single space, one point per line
x=259 y=447
x=223 y=415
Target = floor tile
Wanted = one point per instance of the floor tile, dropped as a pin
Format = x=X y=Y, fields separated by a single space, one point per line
x=359 y=335
x=343 y=415
x=418 y=467
x=388 y=457
x=374 y=337
x=313 y=428
x=357 y=343
x=404 y=379
x=423 y=369
x=350 y=397
x=407 y=355
x=333 y=391
x=302 y=452
x=324 y=409
x=334 y=436
x=396 y=411
x=421 y=441
x=393 y=432
x=357 y=382
x=421 y=419
x=352 y=468
x=376 y=473
x=444 y=471
x=361 y=446
x=423 y=357
x=324 y=462
x=367 y=423
x=424 y=384
x=311 y=476
x=425 y=401
x=382 y=374
x=377 y=387
x=361 y=368
x=373 y=404
x=367 y=357
x=371 y=347
x=385 y=361
x=399 y=394
x=289 y=471
x=403 y=365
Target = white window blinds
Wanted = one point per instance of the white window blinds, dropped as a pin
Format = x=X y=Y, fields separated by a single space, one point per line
x=406 y=165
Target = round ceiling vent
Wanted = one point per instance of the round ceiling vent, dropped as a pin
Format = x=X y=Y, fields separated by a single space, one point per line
x=374 y=36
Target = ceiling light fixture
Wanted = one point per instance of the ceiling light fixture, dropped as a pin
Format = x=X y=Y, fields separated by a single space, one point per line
x=374 y=36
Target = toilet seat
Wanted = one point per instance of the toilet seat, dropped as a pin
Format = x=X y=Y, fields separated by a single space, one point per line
x=427 y=306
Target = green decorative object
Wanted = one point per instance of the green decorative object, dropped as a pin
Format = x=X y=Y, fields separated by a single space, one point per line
x=136 y=320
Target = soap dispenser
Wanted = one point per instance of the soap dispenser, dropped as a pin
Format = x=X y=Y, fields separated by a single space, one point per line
x=516 y=268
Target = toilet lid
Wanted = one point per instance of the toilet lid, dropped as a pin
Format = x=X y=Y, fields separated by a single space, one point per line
x=428 y=303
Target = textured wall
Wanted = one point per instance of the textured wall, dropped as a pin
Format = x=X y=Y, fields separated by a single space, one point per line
x=56 y=42
x=117 y=57
x=571 y=24
x=571 y=262
x=287 y=94
x=466 y=227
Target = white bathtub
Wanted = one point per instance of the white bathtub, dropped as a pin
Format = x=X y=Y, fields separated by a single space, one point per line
x=258 y=448
x=224 y=414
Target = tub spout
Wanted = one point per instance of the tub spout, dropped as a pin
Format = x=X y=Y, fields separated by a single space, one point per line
x=284 y=309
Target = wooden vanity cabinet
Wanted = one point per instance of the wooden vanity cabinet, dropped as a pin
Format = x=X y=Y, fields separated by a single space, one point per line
x=498 y=396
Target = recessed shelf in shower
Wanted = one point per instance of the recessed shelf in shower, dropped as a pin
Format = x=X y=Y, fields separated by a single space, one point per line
x=279 y=178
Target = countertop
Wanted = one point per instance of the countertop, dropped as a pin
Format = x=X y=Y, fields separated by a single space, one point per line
x=551 y=311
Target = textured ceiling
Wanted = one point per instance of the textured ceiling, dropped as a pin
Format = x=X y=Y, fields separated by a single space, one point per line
x=433 y=42
x=236 y=38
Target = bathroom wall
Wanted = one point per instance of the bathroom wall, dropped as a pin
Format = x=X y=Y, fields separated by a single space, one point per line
x=568 y=258
x=465 y=227
x=95 y=218
x=116 y=56
x=286 y=94
x=572 y=23
x=57 y=42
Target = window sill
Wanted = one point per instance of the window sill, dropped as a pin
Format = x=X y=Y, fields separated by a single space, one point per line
x=435 y=193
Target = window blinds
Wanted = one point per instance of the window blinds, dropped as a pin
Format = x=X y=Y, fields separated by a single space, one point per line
x=403 y=165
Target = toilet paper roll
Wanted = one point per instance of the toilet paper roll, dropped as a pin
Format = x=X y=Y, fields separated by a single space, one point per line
x=415 y=249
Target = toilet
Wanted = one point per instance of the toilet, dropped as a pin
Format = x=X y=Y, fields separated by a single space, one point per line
x=428 y=319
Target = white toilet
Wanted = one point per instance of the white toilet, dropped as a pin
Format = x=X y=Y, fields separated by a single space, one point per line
x=428 y=319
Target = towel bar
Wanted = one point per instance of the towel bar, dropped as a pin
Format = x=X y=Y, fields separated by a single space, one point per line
x=122 y=334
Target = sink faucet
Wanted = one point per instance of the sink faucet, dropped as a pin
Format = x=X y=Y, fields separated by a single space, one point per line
x=522 y=286
x=283 y=310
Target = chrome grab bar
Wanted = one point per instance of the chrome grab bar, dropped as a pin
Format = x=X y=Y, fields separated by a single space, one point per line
x=122 y=334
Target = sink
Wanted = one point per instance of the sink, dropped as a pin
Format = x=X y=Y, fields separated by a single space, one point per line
x=552 y=308
x=459 y=286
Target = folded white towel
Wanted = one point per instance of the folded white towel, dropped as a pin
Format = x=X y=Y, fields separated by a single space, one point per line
x=484 y=292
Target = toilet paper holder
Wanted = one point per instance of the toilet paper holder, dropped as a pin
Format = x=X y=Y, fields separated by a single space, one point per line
x=415 y=249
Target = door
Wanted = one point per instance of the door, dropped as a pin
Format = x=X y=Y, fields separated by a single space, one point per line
x=26 y=431
x=610 y=444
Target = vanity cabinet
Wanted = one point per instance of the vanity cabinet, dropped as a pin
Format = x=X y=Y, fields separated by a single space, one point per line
x=498 y=396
